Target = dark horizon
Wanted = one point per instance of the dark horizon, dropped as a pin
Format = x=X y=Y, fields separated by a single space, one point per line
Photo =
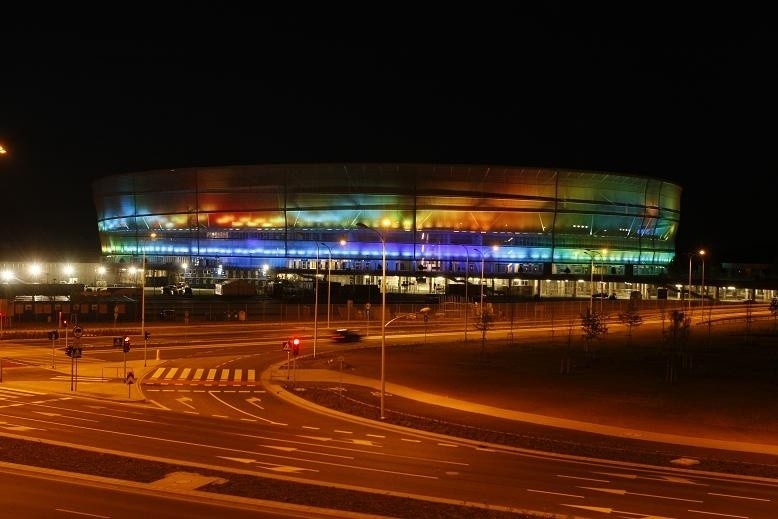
x=675 y=98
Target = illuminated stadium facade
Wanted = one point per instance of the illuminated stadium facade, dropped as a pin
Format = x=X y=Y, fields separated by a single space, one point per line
x=524 y=230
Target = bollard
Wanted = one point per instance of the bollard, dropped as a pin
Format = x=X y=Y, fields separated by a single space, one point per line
x=157 y=354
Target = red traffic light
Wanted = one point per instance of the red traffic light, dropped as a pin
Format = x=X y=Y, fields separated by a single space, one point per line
x=295 y=346
x=296 y=341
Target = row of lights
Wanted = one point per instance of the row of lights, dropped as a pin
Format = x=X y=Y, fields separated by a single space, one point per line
x=36 y=270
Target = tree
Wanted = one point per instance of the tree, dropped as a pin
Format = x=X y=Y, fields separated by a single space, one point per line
x=485 y=317
x=593 y=327
x=631 y=318
x=676 y=336
x=774 y=310
x=749 y=318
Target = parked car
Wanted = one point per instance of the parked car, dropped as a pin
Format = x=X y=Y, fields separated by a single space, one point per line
x=346 y=335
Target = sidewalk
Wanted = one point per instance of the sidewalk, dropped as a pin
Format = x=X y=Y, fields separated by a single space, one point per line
x=95 y=380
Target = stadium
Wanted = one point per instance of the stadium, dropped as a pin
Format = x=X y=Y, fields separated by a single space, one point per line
x=434 y=229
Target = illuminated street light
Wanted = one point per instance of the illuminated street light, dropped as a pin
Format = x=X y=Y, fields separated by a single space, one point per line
x=702 y=299
x=467 y=282
x=143 y=300
x=483 y=315
x=691 y=255
x=592 y=253
x=383 y=309
x=35 y=270
x=329 y=274
x=99 y=273
x=316 y=303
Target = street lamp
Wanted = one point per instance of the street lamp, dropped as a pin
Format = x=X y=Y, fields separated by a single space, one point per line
x=99 y=274
x=592 y=253
x=483 y=315
x=702 y=299
x=383 y=311
x=329 y=274
x=482 y=277
x=467 y=282
x=316 y=303
x=691 y=255
x=701 y=254
x=602 y=276
x=143 y=300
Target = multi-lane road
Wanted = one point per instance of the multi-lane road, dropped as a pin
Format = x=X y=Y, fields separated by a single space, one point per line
x=206 y=407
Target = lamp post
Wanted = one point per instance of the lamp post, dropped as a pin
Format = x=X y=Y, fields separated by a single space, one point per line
x=602 y=276
x=702 y=299
x=592 y=253
x=467 y=282
x=329 y=274
x=689 y=293
x=483 y=315
x=316 y=303
x=383 y=311
x=143 y=300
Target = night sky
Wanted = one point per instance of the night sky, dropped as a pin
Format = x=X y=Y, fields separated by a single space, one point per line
x=688 y=97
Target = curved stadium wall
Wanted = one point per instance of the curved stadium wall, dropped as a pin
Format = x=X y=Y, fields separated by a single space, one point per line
x=501 y=221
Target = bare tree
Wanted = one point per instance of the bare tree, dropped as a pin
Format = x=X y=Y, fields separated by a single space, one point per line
x=593 y=327
x=774 y=310
x=631 y=318
x=485 y=318
x=676 y=337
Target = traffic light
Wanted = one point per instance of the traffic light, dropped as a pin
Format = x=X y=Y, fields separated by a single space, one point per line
x=53 y=335
x=69 y=351
x=126 y=345
x=295 y=346
x=146 y=335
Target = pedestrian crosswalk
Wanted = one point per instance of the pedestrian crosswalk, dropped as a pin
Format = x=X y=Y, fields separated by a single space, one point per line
x=202 y=376
x=9 y=397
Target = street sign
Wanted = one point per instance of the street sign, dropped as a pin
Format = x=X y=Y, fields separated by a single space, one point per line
x=77 y=331
x=130 y=378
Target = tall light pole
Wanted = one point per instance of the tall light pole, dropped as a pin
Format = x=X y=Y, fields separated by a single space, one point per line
x=467 y=282
x=483 y=314
x=591 y=253
x=482 y=277
x=689 y=293
x=329 y=274
x=702 y=299
x=316 y=303
x=383 y=311
x=143 y=300
x=602 y=275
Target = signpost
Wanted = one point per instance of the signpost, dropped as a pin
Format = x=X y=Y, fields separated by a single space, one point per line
x=129 y=380
x=53 y=336
x=288 y=351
